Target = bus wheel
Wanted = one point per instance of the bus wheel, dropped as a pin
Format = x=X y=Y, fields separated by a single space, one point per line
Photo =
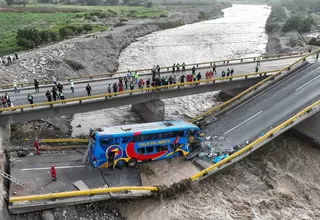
x=132 y=162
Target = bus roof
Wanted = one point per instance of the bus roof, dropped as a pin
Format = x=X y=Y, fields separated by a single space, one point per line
x=146 y=128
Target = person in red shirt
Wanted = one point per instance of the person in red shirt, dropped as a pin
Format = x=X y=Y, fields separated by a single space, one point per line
x=36 y=145
x=120 y=85
x=53 y=173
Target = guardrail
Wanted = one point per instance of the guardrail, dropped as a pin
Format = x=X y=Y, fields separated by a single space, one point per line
x=64 y=140
x=259 y=140
x=210 y=111
x=154 y=188
x=151 y=89
x=167 y=68
x=82 y=193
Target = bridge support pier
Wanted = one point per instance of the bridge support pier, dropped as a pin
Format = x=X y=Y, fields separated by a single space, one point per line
x=150 y=111
x=309 y=129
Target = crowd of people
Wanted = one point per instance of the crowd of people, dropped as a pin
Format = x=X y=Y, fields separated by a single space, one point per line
x=129 y=82
x=9 y=59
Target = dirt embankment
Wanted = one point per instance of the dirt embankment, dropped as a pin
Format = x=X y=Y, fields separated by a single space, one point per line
x=95 y=53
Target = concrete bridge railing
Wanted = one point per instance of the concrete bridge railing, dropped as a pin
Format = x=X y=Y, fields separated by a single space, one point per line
x=130 y=93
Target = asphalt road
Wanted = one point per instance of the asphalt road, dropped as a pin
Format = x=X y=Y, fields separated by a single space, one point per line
x=101 y=87
x=34 y=172
x=265 y=110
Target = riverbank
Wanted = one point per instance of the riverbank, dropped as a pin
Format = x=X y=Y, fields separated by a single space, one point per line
x=99 y=52
x=278 y=40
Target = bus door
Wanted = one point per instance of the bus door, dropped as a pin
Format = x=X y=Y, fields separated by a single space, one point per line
x=111 y=157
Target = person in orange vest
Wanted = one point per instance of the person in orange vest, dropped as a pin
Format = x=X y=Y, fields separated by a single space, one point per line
x=36 y=145
x=53 y=173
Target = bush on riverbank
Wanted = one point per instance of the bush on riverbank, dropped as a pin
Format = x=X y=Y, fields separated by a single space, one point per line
x=299 y=23
x=31 y=37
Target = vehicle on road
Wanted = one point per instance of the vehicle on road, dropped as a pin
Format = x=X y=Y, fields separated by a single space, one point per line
x=131 y=144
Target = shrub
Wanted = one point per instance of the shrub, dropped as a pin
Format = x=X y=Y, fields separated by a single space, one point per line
x=271 y=26
x=163 y=16
x=95 y=13
x=149 y=5
x=87 y=16
x=87 y=27
x=103 y=15
x=65 y=32
x=28 y=38
x=80 y=29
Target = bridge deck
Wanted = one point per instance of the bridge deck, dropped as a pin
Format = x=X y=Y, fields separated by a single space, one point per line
x=101 y=87
x=269 y=108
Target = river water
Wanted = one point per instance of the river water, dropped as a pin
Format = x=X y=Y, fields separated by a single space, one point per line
x=241 y=32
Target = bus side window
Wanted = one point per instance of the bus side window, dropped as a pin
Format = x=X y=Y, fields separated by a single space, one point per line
x=149 y=150
x=163 y=148
x=106 y=142
x=126 y=140
x=141 y=150
x=158 y=148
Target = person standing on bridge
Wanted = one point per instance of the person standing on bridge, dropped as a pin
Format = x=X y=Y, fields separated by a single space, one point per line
x=15 y=86
x=183 y=67
x=257 y=69
x=115 y=88
x=72 y=86
x=53 y=173
x=88 y=89
x=54 y=80
x=62 y=96
x=48 y=94
x=178 y=67
x=36 y=85
x=131 y=86
x=228 y=72
x=136 y=77
x=126 y=82
x=174 y=68
x=30 y=98
x=158 y=69
x=109 y=89
x=193 y=70
x=148 y=82
x=199 y=77
x=214 y=67
x=231 y=72
x=120 y=85
x=223 y=74
x=258 y=61
x=60 y=87
x=54 y=93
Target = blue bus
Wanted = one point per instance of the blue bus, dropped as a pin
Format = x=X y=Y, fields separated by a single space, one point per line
x=131 y=144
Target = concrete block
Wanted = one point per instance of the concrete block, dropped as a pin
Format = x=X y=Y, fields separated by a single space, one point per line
x=80 y=185
x=150 y=111
x=310 y=129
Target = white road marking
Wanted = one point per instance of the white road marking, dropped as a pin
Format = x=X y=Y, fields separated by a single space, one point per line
x=307 y=83
x=48 y=168
x=243 y=122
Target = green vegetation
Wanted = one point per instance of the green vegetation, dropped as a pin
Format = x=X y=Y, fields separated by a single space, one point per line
x=289 y=15
x=49 y=22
